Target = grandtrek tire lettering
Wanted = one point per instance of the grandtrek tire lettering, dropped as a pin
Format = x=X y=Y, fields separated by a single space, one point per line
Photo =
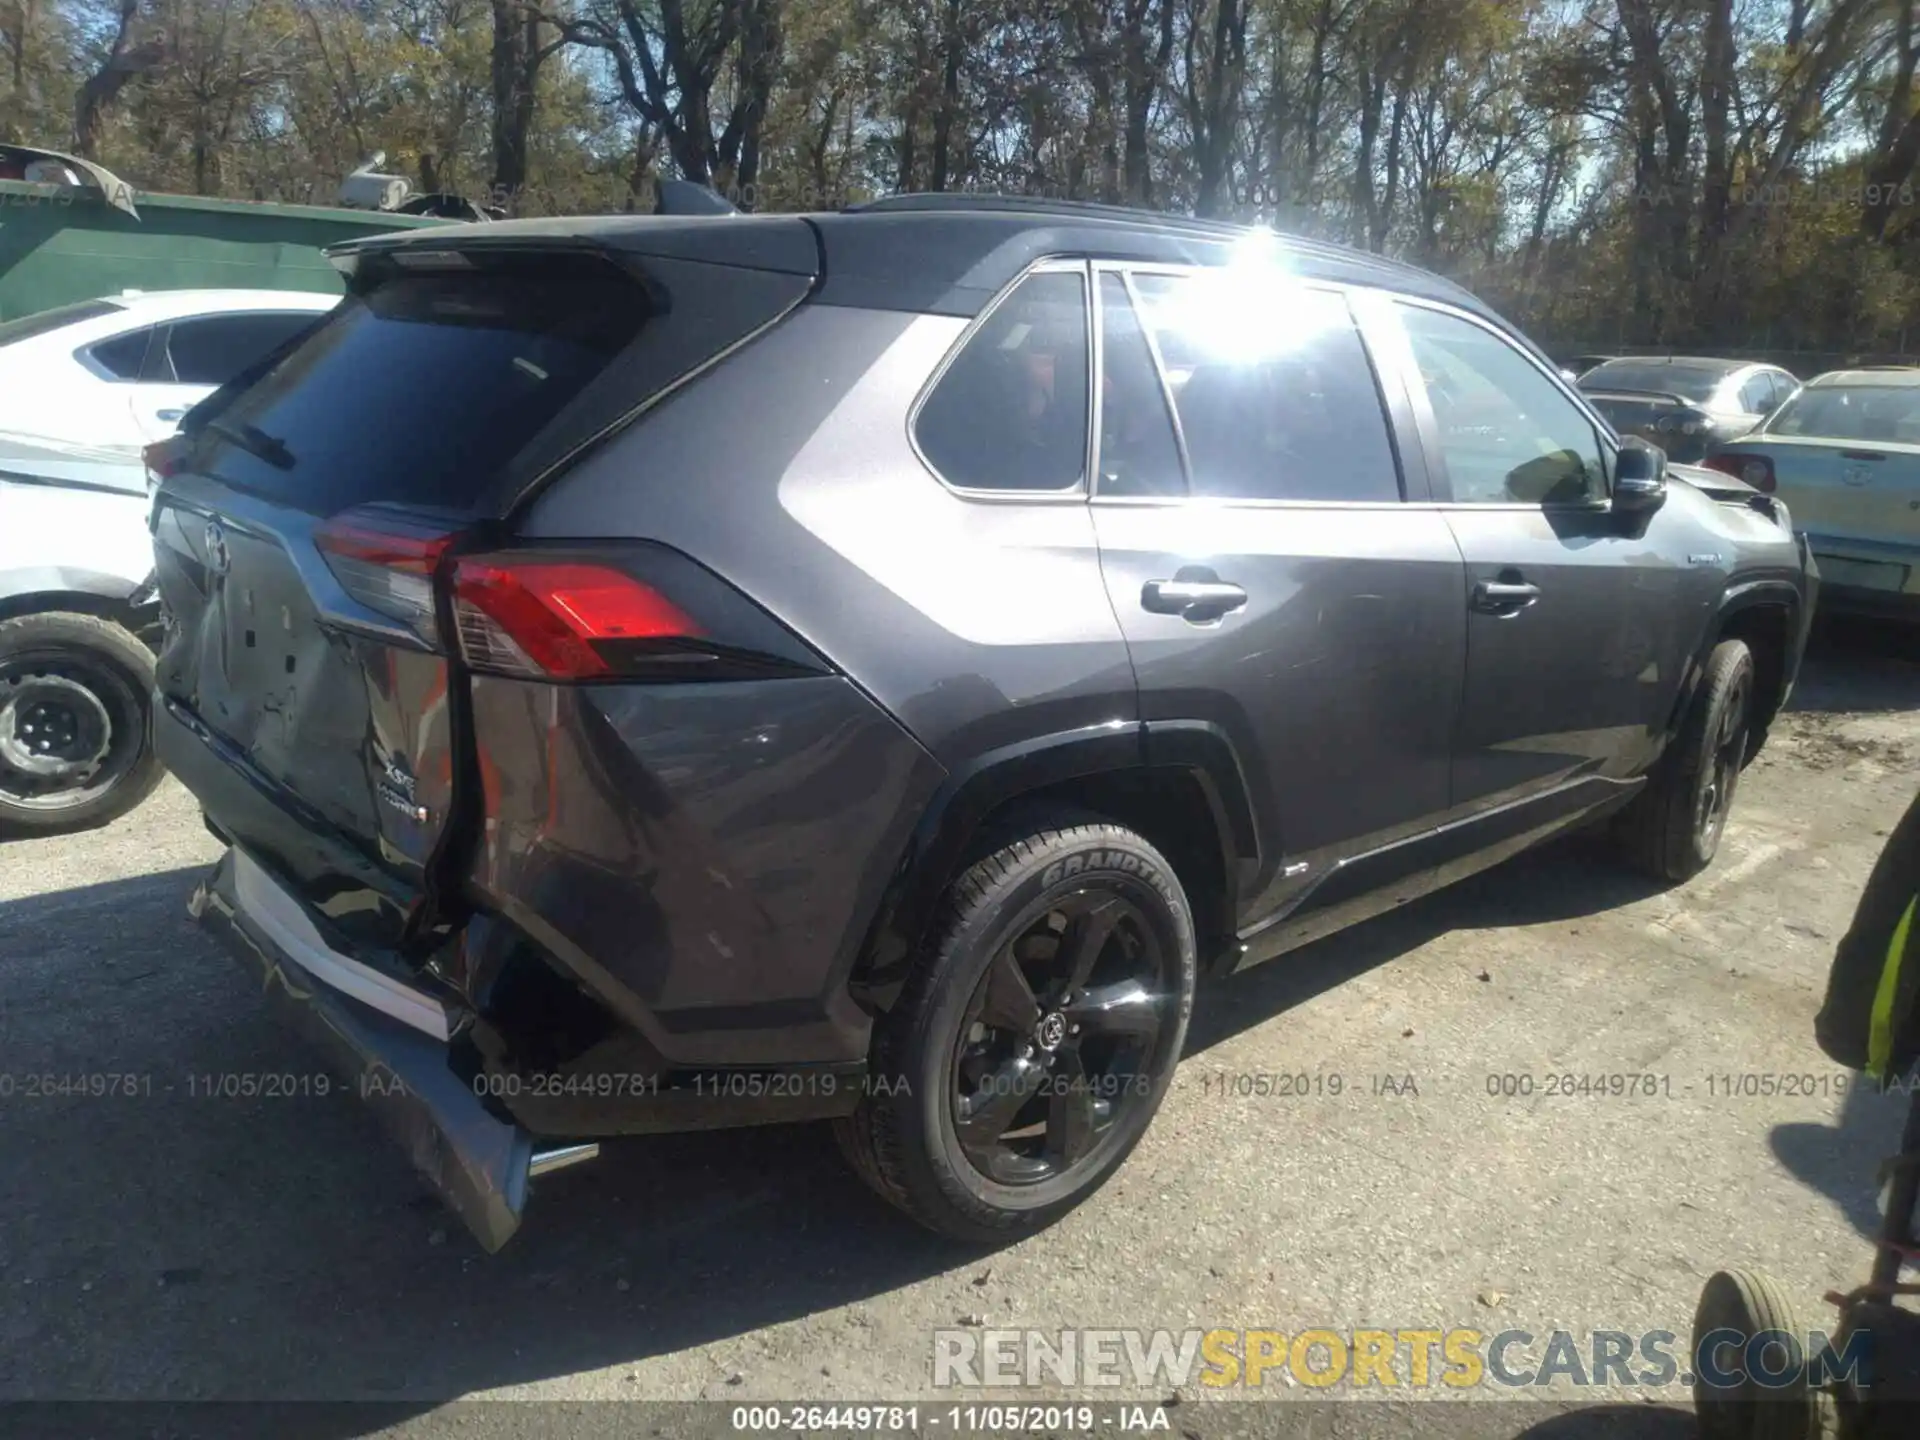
x=1100 y=859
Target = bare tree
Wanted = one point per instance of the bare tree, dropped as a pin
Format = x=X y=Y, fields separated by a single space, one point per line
x=127 y=57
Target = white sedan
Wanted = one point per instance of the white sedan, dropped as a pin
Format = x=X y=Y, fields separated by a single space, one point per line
x=118 y=373
x=83 y=390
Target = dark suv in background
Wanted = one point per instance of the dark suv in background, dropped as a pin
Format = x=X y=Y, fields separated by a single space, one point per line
x=668 y=672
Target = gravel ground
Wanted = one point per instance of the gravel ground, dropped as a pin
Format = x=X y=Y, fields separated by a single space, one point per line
x=163 y=1245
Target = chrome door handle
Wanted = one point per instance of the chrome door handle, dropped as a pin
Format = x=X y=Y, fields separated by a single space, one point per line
x=170 y=416
x=1195 y=600
x=1500 y=597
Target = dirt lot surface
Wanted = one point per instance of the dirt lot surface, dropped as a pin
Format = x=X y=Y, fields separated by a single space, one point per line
x=167 y=1245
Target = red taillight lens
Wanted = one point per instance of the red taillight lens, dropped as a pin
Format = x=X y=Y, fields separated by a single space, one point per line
x=561 y=611
x=162 y=458
x=386 y=562
x=557 y=619
x=1756 y=470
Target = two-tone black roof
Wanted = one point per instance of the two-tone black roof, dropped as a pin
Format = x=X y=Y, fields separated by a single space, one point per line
x=938 y=254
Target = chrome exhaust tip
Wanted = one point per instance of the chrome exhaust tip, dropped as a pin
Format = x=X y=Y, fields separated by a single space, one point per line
x=545 y=1162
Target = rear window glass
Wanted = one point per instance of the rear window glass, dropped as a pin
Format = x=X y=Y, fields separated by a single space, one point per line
x=214 y=349
x=421 y=391
x=1852 y=412
x=1689 y=382
x=28 y=326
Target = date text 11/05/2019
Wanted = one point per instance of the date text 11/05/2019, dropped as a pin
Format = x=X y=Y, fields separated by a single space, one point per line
x=974 y=1419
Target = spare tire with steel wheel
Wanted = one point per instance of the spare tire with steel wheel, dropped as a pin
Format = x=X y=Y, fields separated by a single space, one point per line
x=1774 y=1405
x=75 y=740
x=1036 y=1039
x=1673 y=827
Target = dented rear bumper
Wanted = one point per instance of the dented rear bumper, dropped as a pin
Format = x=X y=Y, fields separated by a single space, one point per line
x=479 y=1164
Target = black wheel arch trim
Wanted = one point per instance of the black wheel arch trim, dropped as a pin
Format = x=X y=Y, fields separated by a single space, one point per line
x=953 y=820
x=1206 y=749
x=1762 y=593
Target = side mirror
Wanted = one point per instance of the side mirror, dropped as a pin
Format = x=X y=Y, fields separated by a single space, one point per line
x=1639 y=477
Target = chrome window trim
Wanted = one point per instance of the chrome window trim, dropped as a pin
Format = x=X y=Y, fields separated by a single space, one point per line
x=1268 y=503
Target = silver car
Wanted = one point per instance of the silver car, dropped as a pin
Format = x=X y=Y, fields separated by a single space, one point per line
x=1844 y=454
x=1687 y=405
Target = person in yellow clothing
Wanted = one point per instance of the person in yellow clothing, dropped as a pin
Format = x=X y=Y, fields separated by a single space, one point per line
x=1870 y=1020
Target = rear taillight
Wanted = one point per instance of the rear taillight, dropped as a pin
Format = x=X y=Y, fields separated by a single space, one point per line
x=162 y=458
x=565 y=620
x=632 y=611
x=386 y=562
x=1756 y=470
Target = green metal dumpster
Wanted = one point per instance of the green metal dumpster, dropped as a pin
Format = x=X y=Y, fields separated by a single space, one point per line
x=73 y=242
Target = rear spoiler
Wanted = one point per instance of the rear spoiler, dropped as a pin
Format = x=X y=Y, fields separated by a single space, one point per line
x=115 y=191
x=782 y=244
x=1667 y=395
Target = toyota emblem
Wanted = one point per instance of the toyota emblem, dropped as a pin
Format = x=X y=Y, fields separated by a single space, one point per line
x=218 y=559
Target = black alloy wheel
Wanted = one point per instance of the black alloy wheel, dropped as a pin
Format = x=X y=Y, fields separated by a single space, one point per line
x=1036 y=1036
x=1058 y=1039
x=1723 y=763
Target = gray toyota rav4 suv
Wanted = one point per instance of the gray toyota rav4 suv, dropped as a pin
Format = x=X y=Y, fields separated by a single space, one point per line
x=659 y=672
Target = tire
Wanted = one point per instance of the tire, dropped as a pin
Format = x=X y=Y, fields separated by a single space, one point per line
x=1750 y=1303
x=1885 y=1405
x=76 y=747
x=948 y=1074
x=1672 y=828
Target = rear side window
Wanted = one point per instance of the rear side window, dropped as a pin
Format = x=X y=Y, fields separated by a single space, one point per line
x=1756 y=396
x=214 y=349
x=1852 y=412
x=420 y=391
x=1274 y=391
x=1010 y=413
x=123 y=356
x=46 y=321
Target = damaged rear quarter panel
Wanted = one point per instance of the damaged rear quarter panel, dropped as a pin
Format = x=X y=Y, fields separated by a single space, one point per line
x=703 y=858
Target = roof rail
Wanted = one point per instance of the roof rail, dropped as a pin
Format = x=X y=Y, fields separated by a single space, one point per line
x=960 y=201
